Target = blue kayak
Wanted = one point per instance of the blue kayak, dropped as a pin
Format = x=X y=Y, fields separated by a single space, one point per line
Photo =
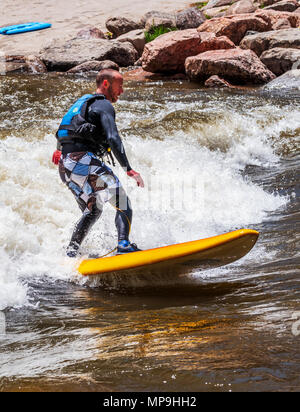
x=23 y=28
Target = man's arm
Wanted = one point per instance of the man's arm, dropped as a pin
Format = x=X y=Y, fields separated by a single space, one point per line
x=113 y=139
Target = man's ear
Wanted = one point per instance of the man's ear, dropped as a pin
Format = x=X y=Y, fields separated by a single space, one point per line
x=105 y=83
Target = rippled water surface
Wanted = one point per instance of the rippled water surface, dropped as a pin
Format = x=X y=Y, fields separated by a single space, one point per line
x=229 y=329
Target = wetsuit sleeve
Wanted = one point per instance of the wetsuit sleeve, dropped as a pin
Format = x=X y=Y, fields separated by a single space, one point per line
x=111 y=132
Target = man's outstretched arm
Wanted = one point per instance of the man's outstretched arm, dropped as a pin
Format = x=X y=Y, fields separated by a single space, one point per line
x=115 y=142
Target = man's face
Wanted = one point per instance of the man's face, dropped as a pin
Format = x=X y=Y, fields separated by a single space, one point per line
x=115 y=88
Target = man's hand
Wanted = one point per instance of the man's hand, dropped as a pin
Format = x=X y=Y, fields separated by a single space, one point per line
x=137 y=177
x=56 y=156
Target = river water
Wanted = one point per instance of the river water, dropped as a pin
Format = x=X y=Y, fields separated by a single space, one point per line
x=229 y=329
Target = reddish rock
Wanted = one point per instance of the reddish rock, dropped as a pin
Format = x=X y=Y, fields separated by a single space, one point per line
x=90 y=32
x=216 y=82
x=167 y=53
x=285 y=5
x=237 y=65
x=288 y=38
x=234 y=27
x=271 y=17
x=141 y=75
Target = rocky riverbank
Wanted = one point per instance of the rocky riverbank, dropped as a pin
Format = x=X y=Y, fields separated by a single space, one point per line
x=220 y=44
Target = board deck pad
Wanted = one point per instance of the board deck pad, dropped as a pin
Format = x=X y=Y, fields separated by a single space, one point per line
x=180 y=258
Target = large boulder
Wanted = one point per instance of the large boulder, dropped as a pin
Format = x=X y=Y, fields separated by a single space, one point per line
x=287 y=38
x=94 y=66
x=236 y=65
x=167 y=53
x=136 y=38
x=234 y=27
x=62 y=55
x=288 y=82
x=242 y=6
x=284 y=5
x=189 y=18
x=120 y=25
x=280 y=60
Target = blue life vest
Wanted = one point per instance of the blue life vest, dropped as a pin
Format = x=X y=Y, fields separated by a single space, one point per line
x=75 y=128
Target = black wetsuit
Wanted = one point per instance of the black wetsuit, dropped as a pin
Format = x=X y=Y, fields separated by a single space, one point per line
x=80 y=154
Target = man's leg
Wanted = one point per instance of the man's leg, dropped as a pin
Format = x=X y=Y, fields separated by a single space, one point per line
x=77 y=172
x=123 y=219
x=82 y=228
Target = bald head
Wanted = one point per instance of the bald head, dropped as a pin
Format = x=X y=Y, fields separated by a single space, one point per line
x=110 y=83
x=107 y=74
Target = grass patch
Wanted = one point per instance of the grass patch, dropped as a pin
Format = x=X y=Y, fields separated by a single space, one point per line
x=200 y=4
x=156 y=32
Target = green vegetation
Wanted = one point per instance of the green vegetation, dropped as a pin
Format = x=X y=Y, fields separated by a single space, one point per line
x=199 y=5
x=207 y=16
x=262 y=6
x=157 y=31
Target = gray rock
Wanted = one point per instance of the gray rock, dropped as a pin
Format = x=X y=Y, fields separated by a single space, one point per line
x=22 y=64
x=154 y=13
x=289 y=81
x=216 y=12
x=120 y=25
x=90 y=32
x=190 y=18
x=287 y=38
x=217 y=3
x=136 y=38
x=280 y=60
x=94 y=66
x=154 y=22
x=62 y=55
x=284 y=5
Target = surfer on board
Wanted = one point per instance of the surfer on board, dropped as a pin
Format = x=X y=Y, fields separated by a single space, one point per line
x=87 y=133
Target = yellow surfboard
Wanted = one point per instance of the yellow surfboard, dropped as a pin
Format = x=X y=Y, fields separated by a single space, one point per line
x=179 y=258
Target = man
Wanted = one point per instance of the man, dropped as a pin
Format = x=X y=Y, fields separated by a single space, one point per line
x=87 y=133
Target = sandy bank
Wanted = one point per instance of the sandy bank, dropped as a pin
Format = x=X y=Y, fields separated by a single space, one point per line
x=67 y=19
